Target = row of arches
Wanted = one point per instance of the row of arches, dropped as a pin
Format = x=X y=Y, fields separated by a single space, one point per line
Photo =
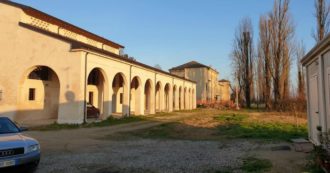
x=142 y=97
x=121 y=98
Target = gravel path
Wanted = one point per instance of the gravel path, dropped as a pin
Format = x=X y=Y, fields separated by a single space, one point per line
x=161 y=156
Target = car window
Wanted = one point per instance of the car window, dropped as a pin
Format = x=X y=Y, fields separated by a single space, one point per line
x=6 y=126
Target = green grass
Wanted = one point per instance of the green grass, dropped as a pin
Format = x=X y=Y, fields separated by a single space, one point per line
x=312 y=166
x=236 y=126
x=108 y=122
x=255 y=165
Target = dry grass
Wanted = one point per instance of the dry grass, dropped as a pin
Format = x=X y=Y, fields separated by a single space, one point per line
x=212 y=124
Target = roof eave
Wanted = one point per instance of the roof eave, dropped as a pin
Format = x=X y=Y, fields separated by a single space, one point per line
x=37 y=13
x=319 y=47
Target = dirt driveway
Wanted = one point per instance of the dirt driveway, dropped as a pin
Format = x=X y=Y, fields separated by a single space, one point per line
x=101 y=150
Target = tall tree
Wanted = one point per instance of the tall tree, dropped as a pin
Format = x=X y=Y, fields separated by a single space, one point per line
x=322 y=12
x=281 y=33
x=264 y=51
x=299 y=54
x=243 y=60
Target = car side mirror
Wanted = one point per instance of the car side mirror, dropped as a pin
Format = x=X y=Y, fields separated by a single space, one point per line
x=23 y=129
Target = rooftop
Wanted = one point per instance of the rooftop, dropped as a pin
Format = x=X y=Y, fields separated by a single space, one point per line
x=53 y=20
x=224 y=80
x=191 y=64
x=319 y=47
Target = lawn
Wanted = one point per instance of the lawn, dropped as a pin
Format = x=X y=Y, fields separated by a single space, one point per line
x=227 y=125
x=240 y=126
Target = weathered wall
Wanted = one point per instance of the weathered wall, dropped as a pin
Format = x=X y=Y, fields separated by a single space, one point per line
x=23 y=49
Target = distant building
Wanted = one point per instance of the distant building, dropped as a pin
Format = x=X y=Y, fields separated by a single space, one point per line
x=208 y=87
x=224 y=90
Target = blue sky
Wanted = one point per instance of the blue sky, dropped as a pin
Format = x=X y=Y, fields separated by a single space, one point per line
x=173 y=32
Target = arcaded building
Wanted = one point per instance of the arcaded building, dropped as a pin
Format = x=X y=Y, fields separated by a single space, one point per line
x=208 y=87
x=51 y=70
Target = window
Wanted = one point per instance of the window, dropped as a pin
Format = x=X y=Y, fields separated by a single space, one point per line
x=1 y=95
x=121 y=98
x=91 y=98
x=32 y=94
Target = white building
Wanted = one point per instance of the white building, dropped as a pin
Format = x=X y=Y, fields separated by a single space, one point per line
x=50 y=69
x=317 y=66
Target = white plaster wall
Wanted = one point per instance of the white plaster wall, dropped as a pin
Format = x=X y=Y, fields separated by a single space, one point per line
x=23 y=49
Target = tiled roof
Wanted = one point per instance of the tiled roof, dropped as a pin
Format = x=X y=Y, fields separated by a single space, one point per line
x=191 y=64
x=224 y=80
x=53 y=20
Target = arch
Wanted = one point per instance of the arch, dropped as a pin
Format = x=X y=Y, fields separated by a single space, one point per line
x=175 y=97
x=39 y=95
x=136 y=96
x=119 y=95
x=97 y=87
x=167 y=102
x=148 y=90
x=159 y=97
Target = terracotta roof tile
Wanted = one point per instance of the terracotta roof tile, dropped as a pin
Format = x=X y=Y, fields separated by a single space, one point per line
x=191 y=64
x=53 y=20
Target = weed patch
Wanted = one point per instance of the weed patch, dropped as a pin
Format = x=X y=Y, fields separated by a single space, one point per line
x=108 y=122
x=231 y=118
x=239 y=126
x=255 y=165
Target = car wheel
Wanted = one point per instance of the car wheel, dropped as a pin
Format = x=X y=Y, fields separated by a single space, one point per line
x=32 y=167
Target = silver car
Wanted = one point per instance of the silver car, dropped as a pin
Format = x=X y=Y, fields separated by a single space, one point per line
x=17 y=152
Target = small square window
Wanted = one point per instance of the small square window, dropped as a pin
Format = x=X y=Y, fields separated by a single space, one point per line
x=1 y=95
x=32 y=94
x=91 y=98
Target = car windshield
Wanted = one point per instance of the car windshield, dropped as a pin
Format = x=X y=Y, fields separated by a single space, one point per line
x=7 y=126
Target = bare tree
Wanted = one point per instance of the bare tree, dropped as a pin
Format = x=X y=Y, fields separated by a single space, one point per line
x=157 y=66
x=322 y=11
x=243 y=60
x=259 y=77
x=264 y=52
x=299 y=54
x=281 y=32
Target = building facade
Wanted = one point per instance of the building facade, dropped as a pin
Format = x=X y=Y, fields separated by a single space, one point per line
x=51 y=69
x=208 y=87
x=317 y=70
